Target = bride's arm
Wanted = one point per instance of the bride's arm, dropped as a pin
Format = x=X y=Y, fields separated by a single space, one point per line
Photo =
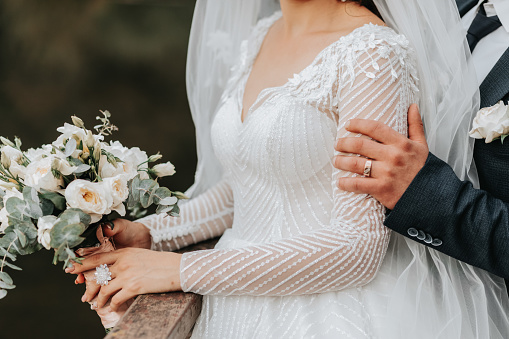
x=350 y=250
x=204 y=217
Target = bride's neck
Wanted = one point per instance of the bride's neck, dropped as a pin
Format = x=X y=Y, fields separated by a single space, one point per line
x=310 y=16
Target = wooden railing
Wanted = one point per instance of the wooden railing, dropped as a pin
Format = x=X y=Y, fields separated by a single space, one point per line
x=161 y=316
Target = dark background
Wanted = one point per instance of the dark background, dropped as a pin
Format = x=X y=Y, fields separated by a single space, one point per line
x=59 y=58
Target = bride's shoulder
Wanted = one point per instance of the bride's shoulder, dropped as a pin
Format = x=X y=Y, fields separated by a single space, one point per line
x=376 y=38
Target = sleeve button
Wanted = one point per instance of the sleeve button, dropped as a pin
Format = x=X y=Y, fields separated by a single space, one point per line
x=421 y=235
x=428 y=239
x=436 y=242
x=412 y=232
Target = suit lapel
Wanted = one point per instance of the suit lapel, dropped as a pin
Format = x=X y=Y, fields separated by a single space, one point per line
x=465 y=5
x=496 y=85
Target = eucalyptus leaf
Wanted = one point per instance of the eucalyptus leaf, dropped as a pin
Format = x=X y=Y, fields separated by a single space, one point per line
x=3 y=293
x=47 y=207
x=163 y=209
x=147 y=192
x=175 y=212
x=3 y=252
x=66 y=234
x=6 y=286
x=15 y=207
x=5 y=278
x=70 y=147
x=169 y=201
x=57 y=199
x=75 y=215
x=14 y=267
x=21 y=237
x=160 y=194
x=82 y=169
x=134 y=192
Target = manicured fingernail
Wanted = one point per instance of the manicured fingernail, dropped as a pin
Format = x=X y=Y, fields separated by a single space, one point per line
x=347 y=125
x=84 y=298
x=109 y=224
x=69 y=269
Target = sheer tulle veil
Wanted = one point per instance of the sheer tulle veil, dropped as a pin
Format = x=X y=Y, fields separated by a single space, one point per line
x=425 y=293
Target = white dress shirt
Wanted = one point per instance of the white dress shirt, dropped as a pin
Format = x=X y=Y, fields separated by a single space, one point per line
x=489 y=49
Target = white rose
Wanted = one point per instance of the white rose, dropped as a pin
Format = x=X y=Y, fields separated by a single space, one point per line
x=12 y=159
x=36 y=154
x=68 y=131
x=90 y=197
x=63 y=166
x=164 y=170
x=117 y=188
x=44 y=226
x=491 y=122
x=39 y=175
x=131 y=158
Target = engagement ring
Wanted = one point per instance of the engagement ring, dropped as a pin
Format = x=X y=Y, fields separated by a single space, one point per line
x=102 y=275
x=367 y=168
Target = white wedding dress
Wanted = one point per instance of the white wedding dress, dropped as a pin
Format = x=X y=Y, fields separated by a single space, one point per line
x=298 y=258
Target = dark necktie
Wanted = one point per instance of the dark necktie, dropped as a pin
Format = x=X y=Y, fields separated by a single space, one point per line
x=481 y=26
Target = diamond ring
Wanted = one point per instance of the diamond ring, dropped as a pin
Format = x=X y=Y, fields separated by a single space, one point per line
x=102 y=275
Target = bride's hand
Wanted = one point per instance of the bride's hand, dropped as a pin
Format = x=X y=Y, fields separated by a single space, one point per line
x=134 y=271
x=126 y=233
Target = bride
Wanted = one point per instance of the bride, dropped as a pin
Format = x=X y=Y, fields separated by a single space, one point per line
x=298 y=258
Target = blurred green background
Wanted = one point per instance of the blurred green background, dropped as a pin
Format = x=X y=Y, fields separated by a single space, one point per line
x=59 y=58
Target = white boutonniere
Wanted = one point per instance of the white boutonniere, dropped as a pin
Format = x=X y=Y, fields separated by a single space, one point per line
x=491 y=123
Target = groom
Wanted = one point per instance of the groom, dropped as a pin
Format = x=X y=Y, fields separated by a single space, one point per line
x=428 y=203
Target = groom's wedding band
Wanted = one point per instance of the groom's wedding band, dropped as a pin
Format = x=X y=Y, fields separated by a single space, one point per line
x=102 y=275
x=367 y=168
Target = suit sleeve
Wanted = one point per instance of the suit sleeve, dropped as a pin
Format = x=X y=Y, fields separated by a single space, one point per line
x=449 y=215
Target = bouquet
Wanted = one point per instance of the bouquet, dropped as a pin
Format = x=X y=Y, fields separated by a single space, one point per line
x=57 y=196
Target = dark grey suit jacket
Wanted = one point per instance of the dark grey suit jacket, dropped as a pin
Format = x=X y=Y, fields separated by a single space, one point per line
x=440 y=211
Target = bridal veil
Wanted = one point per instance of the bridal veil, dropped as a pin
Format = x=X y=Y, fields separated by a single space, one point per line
x=417 y=285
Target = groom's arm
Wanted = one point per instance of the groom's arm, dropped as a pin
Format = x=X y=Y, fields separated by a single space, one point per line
x=465 y=223
x=429 y=203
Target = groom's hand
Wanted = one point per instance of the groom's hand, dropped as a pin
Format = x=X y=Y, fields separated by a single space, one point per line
x=396 y=160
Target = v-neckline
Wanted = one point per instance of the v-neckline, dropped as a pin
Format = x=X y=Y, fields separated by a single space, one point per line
x=247 y=75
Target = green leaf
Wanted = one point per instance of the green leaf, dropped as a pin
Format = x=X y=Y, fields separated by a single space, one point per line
x=3 y=252
x=75 y=215
x=3 y=293
x=14 y=267
x=57 y=199
x=5 y=278
x=134 y=192
x=32 y=203
x=147 y=190
x=70 y=147
x=175 y=212
x=21 y=237
x=163 y=209
x=66 y=234
x=161 y=194
x=15 y=207
x=47 y=207
x=6 y=286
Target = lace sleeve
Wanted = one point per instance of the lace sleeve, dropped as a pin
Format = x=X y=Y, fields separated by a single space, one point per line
x=349 y=251
x=204 y=217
